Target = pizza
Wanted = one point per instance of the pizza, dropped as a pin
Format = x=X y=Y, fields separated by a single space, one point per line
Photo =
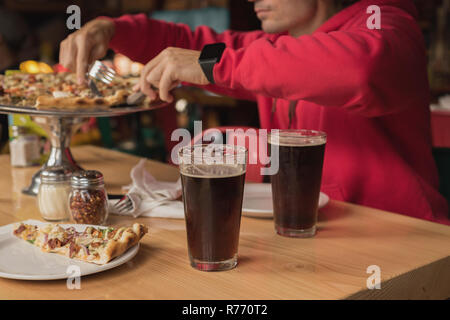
x=61 y=91
x=95 y=245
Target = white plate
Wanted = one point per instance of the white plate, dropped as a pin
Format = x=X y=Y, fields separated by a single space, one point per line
x=258 y=200
x=22 y=260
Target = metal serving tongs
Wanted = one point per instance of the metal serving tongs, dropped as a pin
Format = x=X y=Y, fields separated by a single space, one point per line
x=103 y=73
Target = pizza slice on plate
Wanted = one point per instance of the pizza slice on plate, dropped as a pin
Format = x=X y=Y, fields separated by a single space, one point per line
x=95 y=245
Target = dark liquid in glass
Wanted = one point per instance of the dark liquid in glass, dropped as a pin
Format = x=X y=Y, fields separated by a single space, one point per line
x=296 y=186
x=213 y=208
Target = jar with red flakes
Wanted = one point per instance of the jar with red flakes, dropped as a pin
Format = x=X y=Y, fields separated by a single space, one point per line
x=88 y=200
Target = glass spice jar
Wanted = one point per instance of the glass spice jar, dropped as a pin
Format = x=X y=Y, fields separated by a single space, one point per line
x=88 y=201
x=24 y=147
x=53 y=194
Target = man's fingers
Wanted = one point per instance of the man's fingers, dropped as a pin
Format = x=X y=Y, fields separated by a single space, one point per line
x=149 y=92
x=148 y=68
x=154 y=76
x=62 y=52
x=165 y=84
x=141 y=82
x=82 y=59
x=69 y=55
x=147 y=89
x=156 y=61
x=98 y=52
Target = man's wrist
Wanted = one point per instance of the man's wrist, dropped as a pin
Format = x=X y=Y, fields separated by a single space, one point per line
x=110 y=26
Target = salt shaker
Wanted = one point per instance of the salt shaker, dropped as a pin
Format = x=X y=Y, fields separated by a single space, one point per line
x=88 y=201
x=53 y=194
x=24 y=147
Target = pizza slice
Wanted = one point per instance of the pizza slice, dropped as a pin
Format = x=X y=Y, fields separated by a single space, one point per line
x=95 y=245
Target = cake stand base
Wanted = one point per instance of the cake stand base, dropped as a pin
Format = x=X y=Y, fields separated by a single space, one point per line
x=60 y=131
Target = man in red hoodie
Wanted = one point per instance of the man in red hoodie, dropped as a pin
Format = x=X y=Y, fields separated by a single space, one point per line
x=312 y=67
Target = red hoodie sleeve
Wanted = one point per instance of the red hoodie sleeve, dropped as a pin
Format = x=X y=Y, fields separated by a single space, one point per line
x=141 y=39
x=369 y=72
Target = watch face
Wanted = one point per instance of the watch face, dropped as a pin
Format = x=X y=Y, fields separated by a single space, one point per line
x=212 y=52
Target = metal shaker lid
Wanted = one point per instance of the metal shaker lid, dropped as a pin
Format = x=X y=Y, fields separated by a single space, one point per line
x=87 y=178
x=55 y=174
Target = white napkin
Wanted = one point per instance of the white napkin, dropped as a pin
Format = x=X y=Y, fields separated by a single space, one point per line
x=444 y=103
x=152 y=198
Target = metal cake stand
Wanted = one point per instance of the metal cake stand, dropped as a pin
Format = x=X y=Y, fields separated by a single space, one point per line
x=60 y=126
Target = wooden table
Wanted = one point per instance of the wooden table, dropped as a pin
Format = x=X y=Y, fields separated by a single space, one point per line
x=413 y=255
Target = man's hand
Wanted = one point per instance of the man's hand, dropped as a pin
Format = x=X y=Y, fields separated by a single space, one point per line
x=168 y=69
x=86 y=45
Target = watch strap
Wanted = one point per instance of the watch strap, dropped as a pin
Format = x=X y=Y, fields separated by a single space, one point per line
x=208 y=69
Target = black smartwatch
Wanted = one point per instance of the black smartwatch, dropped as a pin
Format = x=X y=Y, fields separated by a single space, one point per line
x=211 y=54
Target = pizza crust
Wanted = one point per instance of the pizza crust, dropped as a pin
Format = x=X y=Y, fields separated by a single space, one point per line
x=115 y=248
x=81 y=103
x=120 y=97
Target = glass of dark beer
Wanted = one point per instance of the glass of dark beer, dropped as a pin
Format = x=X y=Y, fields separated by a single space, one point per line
x=296 y=185
x=212 y=179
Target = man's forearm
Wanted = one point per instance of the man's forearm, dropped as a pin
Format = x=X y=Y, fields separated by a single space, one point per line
x=142 y=38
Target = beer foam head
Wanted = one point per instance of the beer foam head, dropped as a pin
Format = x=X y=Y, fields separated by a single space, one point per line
x=297 y=138
x=213 y=160
x=212 y=171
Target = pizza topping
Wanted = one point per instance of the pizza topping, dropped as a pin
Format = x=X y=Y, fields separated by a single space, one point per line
x=72 y=231
x=96 y=244
x=12 y=90
x=111 y=234
x=73 y=249
x=54 y=243
x=60 y=94
x=107 y=233
x=56 y=231
x=119 y=233
x=83 y=240
x=19 y=229
x=85 y=93
x=86 y=250
x=67 y=87
x=31 y=78
x=96 y=233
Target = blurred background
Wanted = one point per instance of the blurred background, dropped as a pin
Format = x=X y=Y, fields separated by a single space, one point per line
x=33 y=29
